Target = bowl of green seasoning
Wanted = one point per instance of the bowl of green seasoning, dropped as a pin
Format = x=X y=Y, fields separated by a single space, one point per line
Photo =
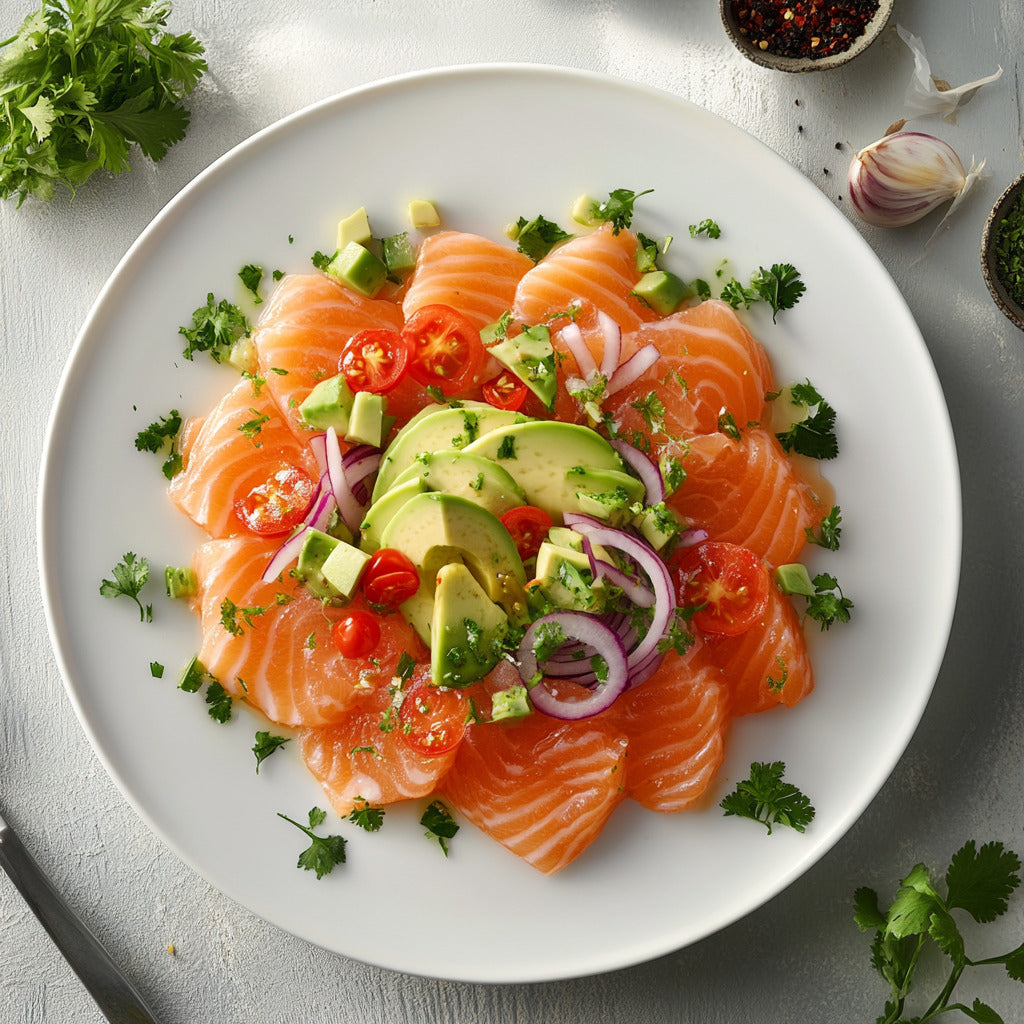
x=1002 y=253
x=803 y=35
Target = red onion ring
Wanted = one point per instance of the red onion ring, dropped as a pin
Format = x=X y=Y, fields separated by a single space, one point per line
x=638 y=363
x=646 y=470
x=573 y=338
x=612 y=344
x=349 y=509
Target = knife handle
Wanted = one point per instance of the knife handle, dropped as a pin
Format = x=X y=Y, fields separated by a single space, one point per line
x=114 y=993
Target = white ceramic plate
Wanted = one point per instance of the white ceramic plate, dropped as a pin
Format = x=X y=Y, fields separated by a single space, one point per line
x=490 y=143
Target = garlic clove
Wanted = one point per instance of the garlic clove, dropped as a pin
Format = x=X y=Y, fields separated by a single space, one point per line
x=904 y=176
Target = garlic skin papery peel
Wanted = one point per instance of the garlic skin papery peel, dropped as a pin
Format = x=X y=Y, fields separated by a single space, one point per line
x=904 y=176
x=925 y=95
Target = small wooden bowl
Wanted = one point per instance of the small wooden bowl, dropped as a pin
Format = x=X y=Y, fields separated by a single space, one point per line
x=767 y=59
x=1013 y=311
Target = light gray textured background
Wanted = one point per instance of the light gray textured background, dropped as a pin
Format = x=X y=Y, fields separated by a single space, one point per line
x=798 y=958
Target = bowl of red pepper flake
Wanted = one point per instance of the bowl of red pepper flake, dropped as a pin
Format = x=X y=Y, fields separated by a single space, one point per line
x=804 y=35
x=1002 y=253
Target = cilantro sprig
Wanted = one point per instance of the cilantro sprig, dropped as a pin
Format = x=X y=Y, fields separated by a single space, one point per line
x=779 y=285
x=617 y=209
x=162 y=435
x=130 y=576
x=214 y=329
x=81 y=83
x=439 y=824
x=324 y=852
x=536 y=238
x=814 y=435
x=979 y=882
x=766 y=798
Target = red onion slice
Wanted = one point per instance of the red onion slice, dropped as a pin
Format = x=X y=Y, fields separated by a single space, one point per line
x=349 y=508
x=573 y=338
x=646 y=470
x=632 y=588
x=689 y=538
x=318 y=442
x=638 y=363
x=612 y=345
x=588 y=630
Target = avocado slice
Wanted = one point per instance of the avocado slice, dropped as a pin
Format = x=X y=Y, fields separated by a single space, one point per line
x=381 y=512
x=449 y=427
x=539 y=454
x=434 y=529
x=473 y=477
x=663 y=291
x=466 y=630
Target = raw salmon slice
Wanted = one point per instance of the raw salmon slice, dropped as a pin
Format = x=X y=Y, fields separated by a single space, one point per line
x=301 y=333
x=746 y=491
x=282 y=660
x=475 y=275
x=363 y=757
x=767 y=665
x=238 y=446
x=676 y=722
x=598 y=270
x=542 y=788
x=710 y=365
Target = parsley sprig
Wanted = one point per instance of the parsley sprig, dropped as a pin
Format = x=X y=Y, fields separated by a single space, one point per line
x=617 y=209
x=766 y=798
x=82 y=82
x=814 y=435
x=779 y=285
x=324 y=852
x=130 y=576
x=979 y=881
x=215 y=328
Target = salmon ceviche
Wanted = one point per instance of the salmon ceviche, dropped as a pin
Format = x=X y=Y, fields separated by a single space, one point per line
x=511 y=525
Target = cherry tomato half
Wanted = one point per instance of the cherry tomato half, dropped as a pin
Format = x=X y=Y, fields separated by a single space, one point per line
x=529 y=526
x=374 y=360
x=728 y=583
x=433 y=719
x=389 y=578
x=445 y=350
x=506 y=391
x=356 y=635
x=277 y=505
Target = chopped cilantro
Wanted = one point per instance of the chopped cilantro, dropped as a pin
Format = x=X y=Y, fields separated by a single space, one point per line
x=366 y=817
x=764 y=797
x=507 y=448
x=780 y=286
x=707 y=227
x=406 y=666
x=161 y=434
x=727 y=425
x=814 y=436
x=251 y=276
x=215 y=329
x=829 y=532
x=618 y=208
x=251 y=428
x=321 y=260
x=229 y=612
x=156 y=670
x=265 y=745
x=439 y=823
x=130 y=576
x=550 y=636
x=324 y=852
x=775 y=685
x=672 y=472
x=537 y=237
x=652 y=409
x=828 y=603
x=219 y=702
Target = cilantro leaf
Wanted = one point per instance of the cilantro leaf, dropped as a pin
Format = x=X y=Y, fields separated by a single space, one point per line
x=265 y=745
x=439 y=823
x=828 y=604
x=618 y=208
x=251 y=276
x=215 y=328
x=537 y=237
x=981 y=881
x=130 y=576
x=219 y=702
x=780 y=286
x=368 y=818
x=764 y=797
x=707 y=227
x=815 y=435
x=324 y=852
x=162 y=434
x=829 y=531
x=82 y=83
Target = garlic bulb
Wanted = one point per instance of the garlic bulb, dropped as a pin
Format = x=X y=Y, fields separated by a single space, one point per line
x=904 y=176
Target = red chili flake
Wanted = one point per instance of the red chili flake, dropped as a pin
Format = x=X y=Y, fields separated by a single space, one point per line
x=803 y=28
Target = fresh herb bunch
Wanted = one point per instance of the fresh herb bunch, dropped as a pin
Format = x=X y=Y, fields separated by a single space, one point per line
x=979 y=881
x=84 y=80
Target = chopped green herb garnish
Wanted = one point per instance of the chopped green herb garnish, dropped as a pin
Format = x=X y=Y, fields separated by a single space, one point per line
x=81 y=83
x=324 y=852
x=828 y=604
x=229 y=612
x=366 y=817
x=764 y=797
x=550 y=637
x=814 y=436
x=537 y=237
x=130 y=576
x=727 y=425
x=707 y=227
x=618 y=208
x=162 y=434
x=251 y=428
x=265 y=745
x=829 y=532
x=251 y=276
x=781 y=286
x=439 y=823
x=652 y=409
x=215 y=329
x=156 y=670
x=507 y=448
x=321 y=260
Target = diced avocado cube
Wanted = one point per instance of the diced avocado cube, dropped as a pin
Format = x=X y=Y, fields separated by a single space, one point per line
x=491 y=333
x=315 y=550
x=549 y=556
x=657 y=525
x=531 y=357
x=329 y=404
x=510 y=703
x=180 y=582
x=583 y=210
x=398 y=253
x=603 y=506
x=354 y=228
x=663 y=291
x=366 y=421
x=343 y=568
x=242 y=355
x=355 y=266
x=564 y=537
x=793 y=578
x=423 y=214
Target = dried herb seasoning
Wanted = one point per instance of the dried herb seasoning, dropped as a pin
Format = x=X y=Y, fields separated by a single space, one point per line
x=803 y=28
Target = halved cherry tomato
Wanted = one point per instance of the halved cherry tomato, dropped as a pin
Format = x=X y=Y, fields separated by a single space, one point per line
x=506 y=391
x=389 y=578
x=374 y=360
x=357 y=634
x=278 y=505
x=529 y=526
x=729 y=584
x=445 y=350
x=433 y=719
